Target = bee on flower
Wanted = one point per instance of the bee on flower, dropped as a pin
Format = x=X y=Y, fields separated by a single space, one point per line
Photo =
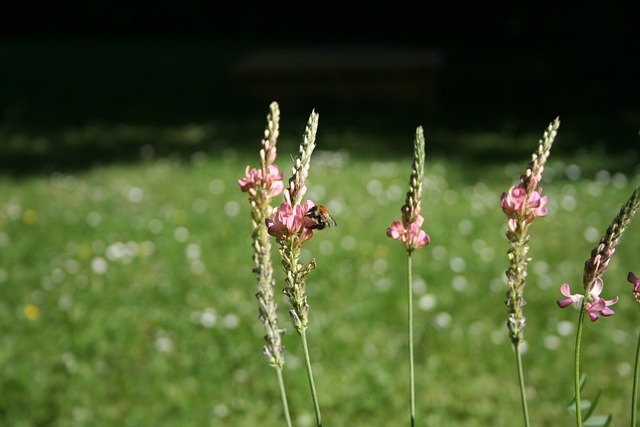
x=320 y=218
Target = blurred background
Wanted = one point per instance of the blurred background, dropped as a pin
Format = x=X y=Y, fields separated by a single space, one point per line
x=379 y=69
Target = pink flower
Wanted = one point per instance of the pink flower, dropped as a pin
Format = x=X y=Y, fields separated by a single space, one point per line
x=595 y=305
x=513 y=200
x=600 y=306
x=571 y=298
x=411 y=236
x=290 y=220
x=270 y=180
x=517 y=205
x=396 y=231
x=251 y=180
x=536 y=205
x=416 y=237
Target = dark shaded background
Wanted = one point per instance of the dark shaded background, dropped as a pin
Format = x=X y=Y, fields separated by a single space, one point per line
x=494 y=67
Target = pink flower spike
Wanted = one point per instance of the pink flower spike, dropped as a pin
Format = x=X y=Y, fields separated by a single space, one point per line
x=571 y=298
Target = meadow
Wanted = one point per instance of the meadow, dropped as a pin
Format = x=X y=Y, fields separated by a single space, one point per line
x=128 y=297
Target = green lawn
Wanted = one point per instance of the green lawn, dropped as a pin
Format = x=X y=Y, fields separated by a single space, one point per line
x=127 y=298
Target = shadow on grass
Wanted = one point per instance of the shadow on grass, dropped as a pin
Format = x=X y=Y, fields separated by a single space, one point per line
x=76 y=148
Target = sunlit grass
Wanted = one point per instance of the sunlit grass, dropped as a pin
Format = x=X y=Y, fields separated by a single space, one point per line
x=127 y=296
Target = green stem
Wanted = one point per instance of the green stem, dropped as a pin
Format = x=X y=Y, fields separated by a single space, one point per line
x=283 y=393
x=307 y=361
x=577 y=365
x=412 y=390
x=634 y=393
x=523 y=394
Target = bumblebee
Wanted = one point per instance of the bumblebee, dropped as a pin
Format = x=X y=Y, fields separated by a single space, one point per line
x=320 y=217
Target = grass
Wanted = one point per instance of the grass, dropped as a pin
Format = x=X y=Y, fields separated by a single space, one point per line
x=128 y=298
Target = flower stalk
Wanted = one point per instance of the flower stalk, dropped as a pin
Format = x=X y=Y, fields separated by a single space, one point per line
x=590 y=300
x=522 y=204
x=634 y=390
x=291 y=226
x=262 y=185
x=631 y=277
x=412 y=385
x=412 y=237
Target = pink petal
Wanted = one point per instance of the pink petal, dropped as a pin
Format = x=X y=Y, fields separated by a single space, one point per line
x=566 y=290
x=593 y=315
x=607 y=312
x=396 y=230
x=598 y=305
x=306 y=234
x=562 y=303
x=276 y=188
x=612 y=301
x=534 y=200
x=597 y=287
x=423 y=239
